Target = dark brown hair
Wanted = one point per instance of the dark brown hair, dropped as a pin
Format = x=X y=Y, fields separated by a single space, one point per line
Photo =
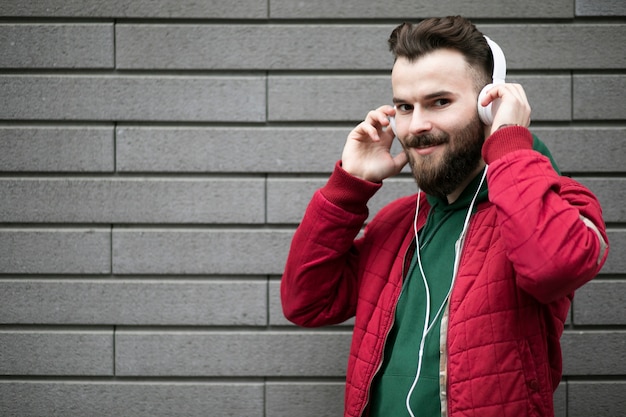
x=412 y=41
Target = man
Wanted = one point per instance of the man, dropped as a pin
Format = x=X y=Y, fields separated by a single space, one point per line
x=460 y=292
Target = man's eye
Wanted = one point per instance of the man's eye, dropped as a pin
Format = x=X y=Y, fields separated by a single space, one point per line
x=441 y=102
x=404 y=107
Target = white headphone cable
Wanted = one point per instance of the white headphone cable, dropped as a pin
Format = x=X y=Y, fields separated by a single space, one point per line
x=457 y=258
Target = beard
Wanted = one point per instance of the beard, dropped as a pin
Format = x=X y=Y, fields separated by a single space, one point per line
x=439 y=177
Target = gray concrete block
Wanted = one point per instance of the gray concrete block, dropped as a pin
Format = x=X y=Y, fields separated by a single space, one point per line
x=56 y=352
x=585 y=149
x=411 y=10
x=56 y=149
x=599 y=97
x=132 y=200
x=304 y=399
x=253 y=47
x=600 y=303
x=287 y=198
x=200 y=251
x=560 y=400
x=225 y=9
x=131 y=398
x=275 y=309
x=131 y=98
x=56 y=45
x=342 y=98
x=229 y=149
x=616 y=261
x=558 y=46
x=326 y=97
x=333 y=46
x=600 y=8
x=596 y=398
x=29 y=250
x=232 y=354
x=601 y=352
x=134 y=302
x=610 y=193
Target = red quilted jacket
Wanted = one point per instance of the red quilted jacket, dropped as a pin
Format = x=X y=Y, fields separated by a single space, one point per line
x=540 y=237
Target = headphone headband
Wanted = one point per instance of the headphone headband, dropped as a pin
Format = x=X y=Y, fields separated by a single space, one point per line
x=499 y=62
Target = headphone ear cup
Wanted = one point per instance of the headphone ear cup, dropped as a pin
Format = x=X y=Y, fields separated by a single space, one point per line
x=392 y=123
x=485 y=112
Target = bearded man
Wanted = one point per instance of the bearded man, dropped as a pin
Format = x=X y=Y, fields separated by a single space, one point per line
x=460 y=291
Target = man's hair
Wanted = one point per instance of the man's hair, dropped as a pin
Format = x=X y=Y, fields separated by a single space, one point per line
x=413 y=41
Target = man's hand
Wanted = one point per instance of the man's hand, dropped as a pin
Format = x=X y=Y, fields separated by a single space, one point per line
x=366 y=154
x=513 y=108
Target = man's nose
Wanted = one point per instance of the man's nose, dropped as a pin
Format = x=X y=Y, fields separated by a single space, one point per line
x=420 y=123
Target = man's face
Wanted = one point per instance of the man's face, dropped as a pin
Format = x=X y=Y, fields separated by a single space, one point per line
x=437 y=121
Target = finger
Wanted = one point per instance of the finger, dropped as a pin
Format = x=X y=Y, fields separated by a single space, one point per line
x=400 y=160
x=380 y=118
x=365 y=130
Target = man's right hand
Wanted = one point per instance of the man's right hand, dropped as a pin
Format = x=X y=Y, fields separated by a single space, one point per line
x=366 y=154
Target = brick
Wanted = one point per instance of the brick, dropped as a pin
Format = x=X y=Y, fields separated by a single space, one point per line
x=56 y=149
x=30 y=250
x=410 y=10
x=232 y=354
x=132 y=200
x=287 y=199
x=130 y=398
x=599 y=97
x=304 y=399
x=584 y=149
x=229 y=150
x=608 y=191
x=123 y=98
x=557 y=47
x=342 y=98
x=288 y=47
x=616 y=262
x=56 y=352
x=128 y=302
x=56 y=45
x=600 y=8
x=255 y=47
x=560 y=400
x=599 y=352
x=275 y=309
x=601 y=303
x=596 y=398
x=225 y=9
x=199 y=251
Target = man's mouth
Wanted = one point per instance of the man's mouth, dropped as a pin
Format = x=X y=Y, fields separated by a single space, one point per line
x=425 y=141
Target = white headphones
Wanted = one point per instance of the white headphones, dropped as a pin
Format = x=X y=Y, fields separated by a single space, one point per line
x=499 y=74
x=485 y=113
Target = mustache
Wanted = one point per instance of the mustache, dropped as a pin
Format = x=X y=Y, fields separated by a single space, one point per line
x=425 y=140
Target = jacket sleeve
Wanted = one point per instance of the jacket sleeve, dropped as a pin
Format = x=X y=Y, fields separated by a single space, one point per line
x=319 y=283
x=551 y=225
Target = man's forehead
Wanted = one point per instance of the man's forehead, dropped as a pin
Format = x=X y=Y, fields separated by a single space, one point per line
x=449 y=60
x=439 y=73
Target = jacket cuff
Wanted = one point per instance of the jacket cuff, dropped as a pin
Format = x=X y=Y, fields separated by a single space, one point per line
x=506 y=140
x=349 y=192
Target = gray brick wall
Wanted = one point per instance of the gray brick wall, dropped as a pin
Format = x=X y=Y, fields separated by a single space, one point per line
x=156 y=156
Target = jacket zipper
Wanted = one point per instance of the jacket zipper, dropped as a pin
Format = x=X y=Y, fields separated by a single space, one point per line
x=393 y=320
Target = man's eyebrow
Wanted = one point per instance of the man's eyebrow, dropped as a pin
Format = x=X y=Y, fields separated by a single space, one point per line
x=437 y=94
x=431 y=96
